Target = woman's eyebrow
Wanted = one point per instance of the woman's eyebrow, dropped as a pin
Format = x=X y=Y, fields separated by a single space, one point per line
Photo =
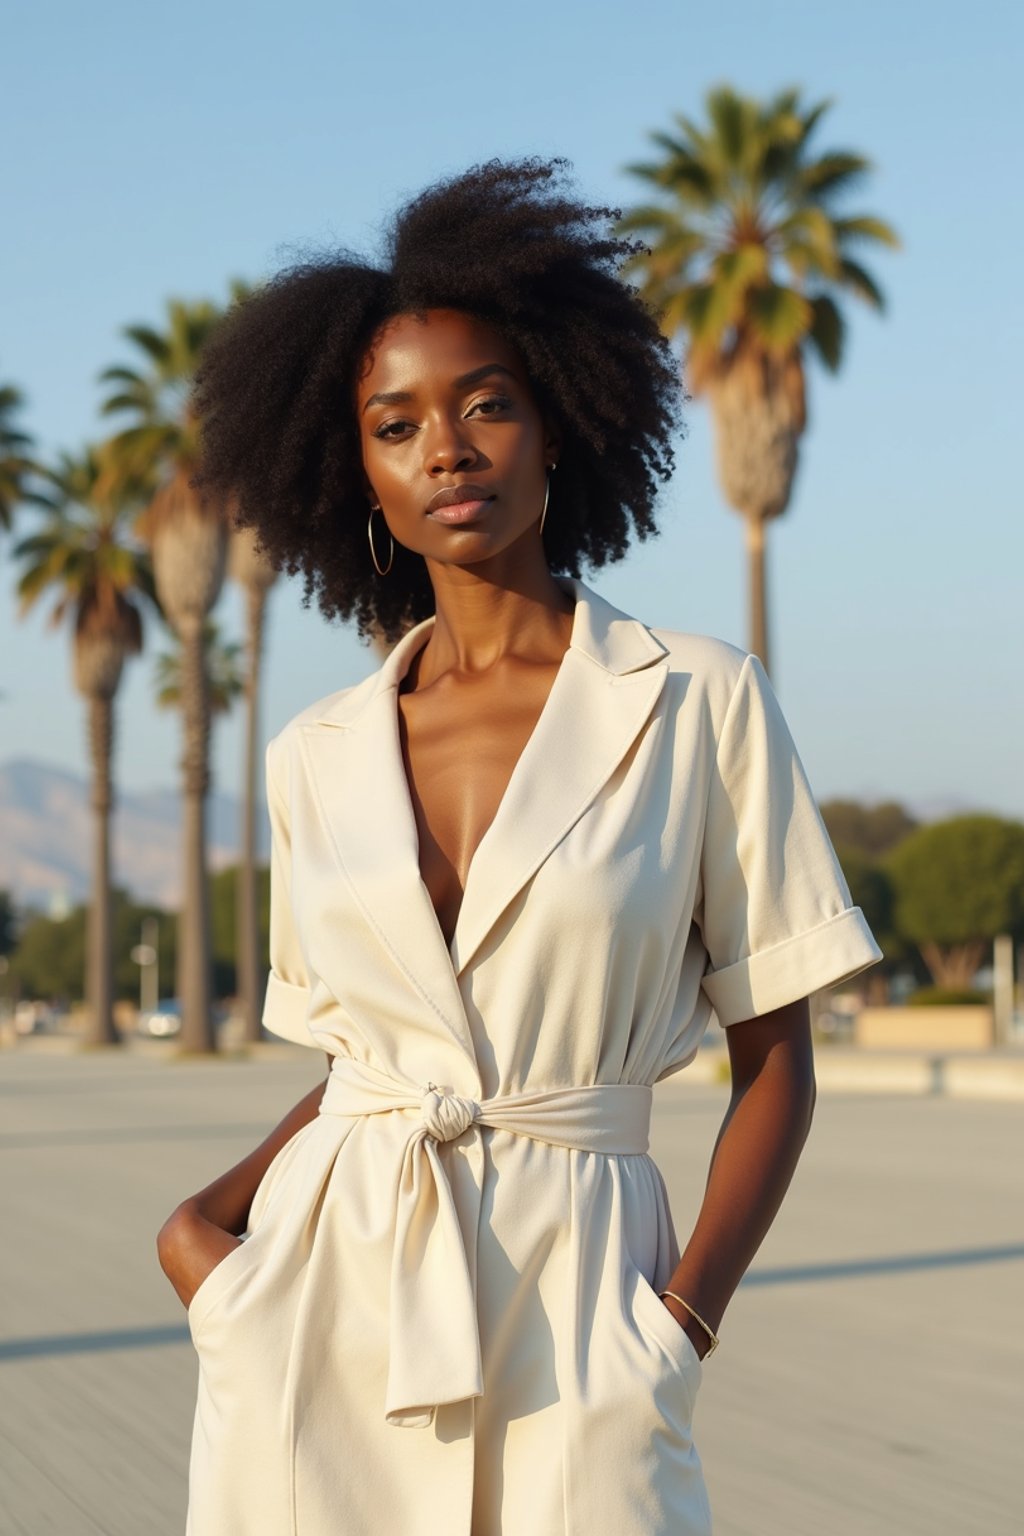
x=399 y=396
x=476 y=374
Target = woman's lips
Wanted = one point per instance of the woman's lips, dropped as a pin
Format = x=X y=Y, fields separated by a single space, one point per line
x=461 y=512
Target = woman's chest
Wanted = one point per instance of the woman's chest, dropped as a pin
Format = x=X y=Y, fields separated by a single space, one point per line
x=460 y=750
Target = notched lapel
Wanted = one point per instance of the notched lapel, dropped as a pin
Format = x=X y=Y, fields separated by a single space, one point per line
x=362 y=794
x=590 y=721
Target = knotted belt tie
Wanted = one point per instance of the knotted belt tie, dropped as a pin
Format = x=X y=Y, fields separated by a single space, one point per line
x=434 y=1339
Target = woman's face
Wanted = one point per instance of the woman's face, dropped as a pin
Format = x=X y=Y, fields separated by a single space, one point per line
x=444 y=404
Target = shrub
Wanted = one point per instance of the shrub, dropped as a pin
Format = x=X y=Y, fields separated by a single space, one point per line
x=945 y=997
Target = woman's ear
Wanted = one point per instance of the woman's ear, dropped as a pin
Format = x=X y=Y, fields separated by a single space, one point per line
x=552 y=444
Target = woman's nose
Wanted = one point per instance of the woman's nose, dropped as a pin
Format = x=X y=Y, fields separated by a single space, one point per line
x=447 y=449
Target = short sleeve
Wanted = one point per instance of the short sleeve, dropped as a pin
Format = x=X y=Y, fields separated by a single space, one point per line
x=775 y=914
x=286 y=1005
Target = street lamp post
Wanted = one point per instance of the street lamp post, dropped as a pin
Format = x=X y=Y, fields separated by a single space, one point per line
x=1002 y=987
x=146 y=957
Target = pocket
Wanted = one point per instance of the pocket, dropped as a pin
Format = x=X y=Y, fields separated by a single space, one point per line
x=215 y=1286
x=671 y=1334
x=217 y=1283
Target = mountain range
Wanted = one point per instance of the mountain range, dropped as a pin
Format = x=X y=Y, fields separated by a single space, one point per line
x=46 y=837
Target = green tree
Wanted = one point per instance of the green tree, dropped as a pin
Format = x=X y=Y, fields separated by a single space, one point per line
x=16 y=464
x=224 y=888
x=188 y=536
x=873 y=830
x=8 y=924
x=85 y=553
x=48 y=959
x=747 y=258
x=959 y=883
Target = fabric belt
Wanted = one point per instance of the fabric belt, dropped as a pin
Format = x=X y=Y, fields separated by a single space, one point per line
x=434 y=1337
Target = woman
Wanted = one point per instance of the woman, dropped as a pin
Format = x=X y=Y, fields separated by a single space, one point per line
x=513 y=872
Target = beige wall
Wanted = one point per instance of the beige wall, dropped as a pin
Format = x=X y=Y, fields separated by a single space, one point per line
x=926 y=1029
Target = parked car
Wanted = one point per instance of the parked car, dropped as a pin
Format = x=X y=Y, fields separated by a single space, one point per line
x=35 y=1018
x=164 y=1022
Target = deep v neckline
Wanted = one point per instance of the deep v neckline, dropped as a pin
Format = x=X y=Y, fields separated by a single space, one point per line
x=529 y=748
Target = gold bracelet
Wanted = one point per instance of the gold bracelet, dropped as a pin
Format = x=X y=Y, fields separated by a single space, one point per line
x=712 y=1335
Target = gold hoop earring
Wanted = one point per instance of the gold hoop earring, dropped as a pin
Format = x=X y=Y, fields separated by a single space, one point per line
x=547 y=493
x=381 y=570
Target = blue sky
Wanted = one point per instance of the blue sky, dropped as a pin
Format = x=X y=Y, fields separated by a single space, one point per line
x=157 y=152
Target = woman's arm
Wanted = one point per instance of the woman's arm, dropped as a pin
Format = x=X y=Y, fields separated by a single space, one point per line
x=755 y=1154
x=204 y=1228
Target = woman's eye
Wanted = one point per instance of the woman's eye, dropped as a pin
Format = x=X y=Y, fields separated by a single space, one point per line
x=386 y=429
x=499 y=401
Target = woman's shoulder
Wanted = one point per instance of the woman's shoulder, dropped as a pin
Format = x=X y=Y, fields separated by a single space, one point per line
x=707 y=654
x=713 y=665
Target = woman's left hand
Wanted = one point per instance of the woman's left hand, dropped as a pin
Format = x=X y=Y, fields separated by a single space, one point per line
x=694 y=1332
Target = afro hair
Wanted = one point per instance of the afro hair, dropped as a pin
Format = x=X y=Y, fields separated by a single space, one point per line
x=505 y=242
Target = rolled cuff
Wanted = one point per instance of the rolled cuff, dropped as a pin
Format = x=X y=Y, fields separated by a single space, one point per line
x=286 y=1009
x=822 y=957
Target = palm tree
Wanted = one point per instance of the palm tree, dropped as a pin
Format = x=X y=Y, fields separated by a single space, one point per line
x=15 y=463
x=188 y=536
x=746 y=257
x=225 y=680
x=84 y=552
x=253 y=571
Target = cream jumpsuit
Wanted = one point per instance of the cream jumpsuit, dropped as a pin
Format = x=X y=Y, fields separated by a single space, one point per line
x=444 y=1319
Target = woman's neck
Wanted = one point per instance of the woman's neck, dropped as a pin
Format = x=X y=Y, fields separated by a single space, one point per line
x=478 y=622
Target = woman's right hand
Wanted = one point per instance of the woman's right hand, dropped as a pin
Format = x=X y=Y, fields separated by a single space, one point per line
x=190 y=1248
x=198 y=1235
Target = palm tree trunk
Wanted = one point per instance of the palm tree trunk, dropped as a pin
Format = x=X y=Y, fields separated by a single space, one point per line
x=755 y=538
x=249 y=960
x=100 y=964
x=196 y=980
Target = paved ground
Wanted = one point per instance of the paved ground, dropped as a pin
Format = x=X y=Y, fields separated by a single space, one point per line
x=870 y=1380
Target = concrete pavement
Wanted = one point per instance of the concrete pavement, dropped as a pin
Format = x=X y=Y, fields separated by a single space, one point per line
x=870 y=1380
